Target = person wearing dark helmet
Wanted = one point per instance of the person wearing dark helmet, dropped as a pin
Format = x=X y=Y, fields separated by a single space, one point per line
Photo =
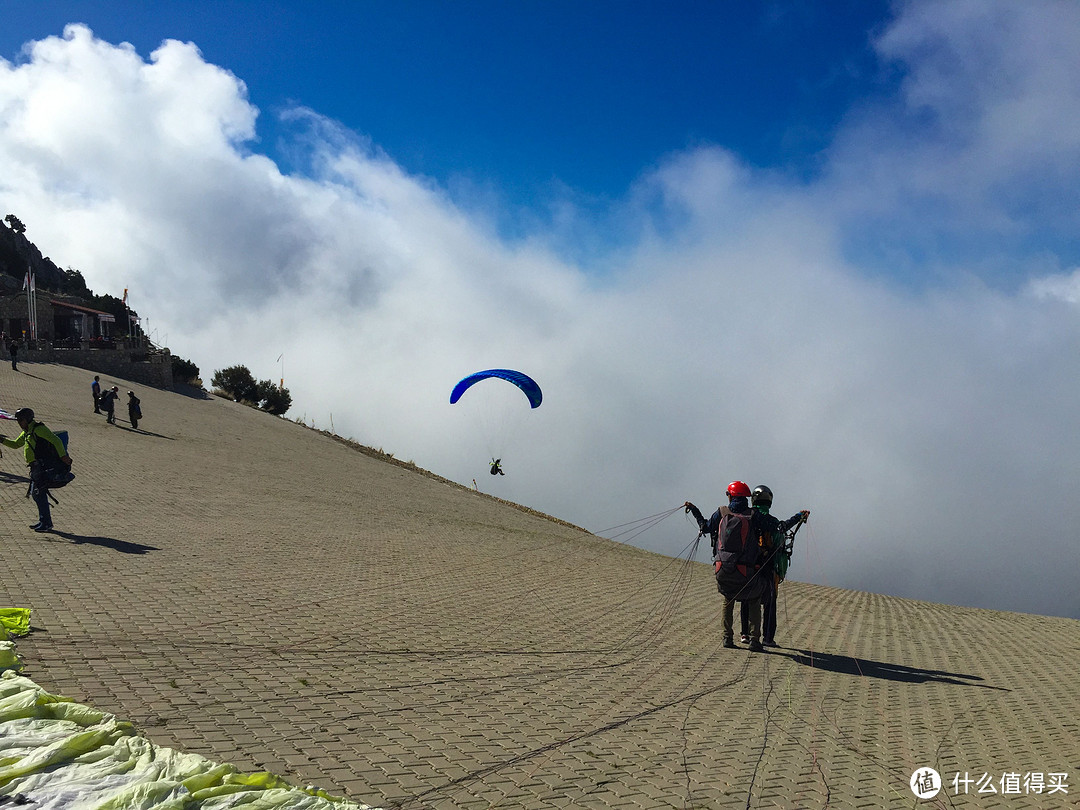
x=770 y=533
x=726 y=524
x=41 y=449
x=108 y=403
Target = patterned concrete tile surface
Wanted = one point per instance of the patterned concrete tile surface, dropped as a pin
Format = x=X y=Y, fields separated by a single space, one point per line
x=244 y=588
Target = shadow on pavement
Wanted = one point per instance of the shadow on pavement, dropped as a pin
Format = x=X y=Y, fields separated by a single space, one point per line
x=144 y=432
x=122 y=546
x=190 y=391
x=28 y=374
x=862 y=667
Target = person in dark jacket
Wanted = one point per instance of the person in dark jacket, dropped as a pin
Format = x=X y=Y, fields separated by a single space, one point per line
x=134 y=409
x=710 y=527
x=771 y=531
x=738 y=504
x=108 y=404
x=13 y=350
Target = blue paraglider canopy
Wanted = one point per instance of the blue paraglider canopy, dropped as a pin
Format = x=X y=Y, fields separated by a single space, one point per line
x=526 y=383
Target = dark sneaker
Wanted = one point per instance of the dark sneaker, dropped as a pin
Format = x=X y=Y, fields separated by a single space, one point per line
x=35 y=526
x=755 y=646
x=729 y=643
x=43 y=527
x=769 y=643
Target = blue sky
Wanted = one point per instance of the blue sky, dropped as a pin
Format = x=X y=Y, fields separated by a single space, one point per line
x=525 y=97
x=832 y=248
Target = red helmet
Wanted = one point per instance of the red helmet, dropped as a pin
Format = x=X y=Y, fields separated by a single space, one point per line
x=737 y=489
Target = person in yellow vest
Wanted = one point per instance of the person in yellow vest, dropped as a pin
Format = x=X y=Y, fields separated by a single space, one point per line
x=43 y=452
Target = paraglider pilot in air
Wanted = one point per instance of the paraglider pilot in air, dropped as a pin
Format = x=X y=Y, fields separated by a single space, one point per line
x=524 y=382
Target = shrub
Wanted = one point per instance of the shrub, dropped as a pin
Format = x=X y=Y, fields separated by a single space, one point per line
x=184 y=370
x=237 y=382
x=273 y=399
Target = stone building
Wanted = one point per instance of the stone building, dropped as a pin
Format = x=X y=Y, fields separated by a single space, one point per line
x=59 y=318
x=73 y=334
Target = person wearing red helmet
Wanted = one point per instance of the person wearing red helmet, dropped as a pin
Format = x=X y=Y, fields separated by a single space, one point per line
x=736 y=489
x=729 y=521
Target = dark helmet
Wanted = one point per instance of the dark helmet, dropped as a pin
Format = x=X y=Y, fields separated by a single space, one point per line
x=762 y=496
x=737 y=489
x=24 y=413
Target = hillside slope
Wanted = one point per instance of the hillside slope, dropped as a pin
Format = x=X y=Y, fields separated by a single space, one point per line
x=247 y=589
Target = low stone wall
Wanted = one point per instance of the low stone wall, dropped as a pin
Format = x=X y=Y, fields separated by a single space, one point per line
x=154 y=370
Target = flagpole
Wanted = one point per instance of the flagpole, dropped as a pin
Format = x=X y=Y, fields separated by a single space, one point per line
x=28 y=285
x=33 y=291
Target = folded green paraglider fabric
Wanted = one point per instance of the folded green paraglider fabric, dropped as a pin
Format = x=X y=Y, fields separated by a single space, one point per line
x=55 y=754
x=8 y=658
x=16 y=621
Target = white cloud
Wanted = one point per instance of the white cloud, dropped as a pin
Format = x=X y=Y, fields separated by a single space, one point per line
x=929 y=431
x=981 y=148
x=1063 y=287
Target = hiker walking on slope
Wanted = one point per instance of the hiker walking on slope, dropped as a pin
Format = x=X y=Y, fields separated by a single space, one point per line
x=735 y=560
x=134 y=409
x=108 y=402
x=46 y=457
x=770 y=532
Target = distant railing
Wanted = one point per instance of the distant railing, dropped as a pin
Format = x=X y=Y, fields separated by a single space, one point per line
x=108 y=343
x=75 y=343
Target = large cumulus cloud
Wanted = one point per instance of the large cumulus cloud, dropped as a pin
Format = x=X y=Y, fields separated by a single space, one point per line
x=749 y=328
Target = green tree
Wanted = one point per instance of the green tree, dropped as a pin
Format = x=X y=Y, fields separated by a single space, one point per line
x=15 y=223
x=73 y=283
x=238 y=383
x=114 y=306
x=273 y=399
x=184 y=370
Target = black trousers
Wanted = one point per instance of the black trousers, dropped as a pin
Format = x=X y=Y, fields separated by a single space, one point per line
x=768 y=611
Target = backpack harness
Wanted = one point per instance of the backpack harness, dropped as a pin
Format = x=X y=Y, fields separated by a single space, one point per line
x=51 y=472
x=736 y=563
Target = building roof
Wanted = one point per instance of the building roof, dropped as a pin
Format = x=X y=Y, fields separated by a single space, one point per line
x=102 y=316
